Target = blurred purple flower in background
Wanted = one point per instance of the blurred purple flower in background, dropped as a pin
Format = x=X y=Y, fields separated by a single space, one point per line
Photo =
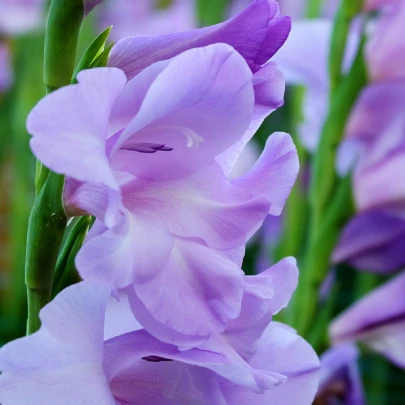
x=340 y=380
x=5 y=68
x=143 y=17
x=20 y=16
x=374 y=239
x=377 y=320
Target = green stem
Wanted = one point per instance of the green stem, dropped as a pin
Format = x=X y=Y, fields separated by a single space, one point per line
x=45 y=233
x=347 y=11
x=323 y=174
x=314 y=8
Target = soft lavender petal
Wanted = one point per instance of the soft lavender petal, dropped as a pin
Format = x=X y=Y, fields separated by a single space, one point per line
x=256 y=33
x=269 y=86
x=62 y=363
x=200 y=276
x=209 y=108
x=275 y=172
x=69 y=126
x=121 y=255
x=284 y=352
x=206 y=206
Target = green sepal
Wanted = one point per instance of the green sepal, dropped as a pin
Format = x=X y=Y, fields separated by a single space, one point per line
x=71 y=245
x=46 y=226
x=94 y=50
x=62 y=35
x=102 y=59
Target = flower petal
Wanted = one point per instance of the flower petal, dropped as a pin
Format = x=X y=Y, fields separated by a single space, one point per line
x=205 y=206
x=125 y=253
x=377 y=320
x=63 y=361
x=275 y=172
x=256 y=33
x=373 y=241
x=284 y=352
x=210 y=284
x=209 y=108
x=69 y=126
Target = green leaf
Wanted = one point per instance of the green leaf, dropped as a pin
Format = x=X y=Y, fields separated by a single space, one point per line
x=211 y=11
x=102 y=59
x=92 y=53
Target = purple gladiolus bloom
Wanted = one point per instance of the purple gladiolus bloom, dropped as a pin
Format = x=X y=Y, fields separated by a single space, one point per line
x=5 y=68
x=377 y=320
x=172 y=225
x=91 y=349
x=386 y=48
x=374 y=240
x=20 y=16
x=90 y=4
x=142 y=17
x=340 y=380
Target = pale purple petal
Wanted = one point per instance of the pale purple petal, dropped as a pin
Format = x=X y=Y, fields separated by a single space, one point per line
x=377 y=320
x=264 y=295
x=284 y=352
x=373 y=241
x=69 y=126
x=269 y=86
x=209 y=108
x=200 y=276
x=275 y=172
x=256 y=33
x=206 y=206
x=63 y=362
x=121 y=255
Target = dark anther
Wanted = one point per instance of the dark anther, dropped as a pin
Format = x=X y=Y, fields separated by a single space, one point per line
x=146 y=147
x=155 y=359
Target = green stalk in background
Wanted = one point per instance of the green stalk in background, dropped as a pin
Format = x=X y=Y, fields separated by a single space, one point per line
x=347 y=12
x=48 y=220
x=329 y=198
x=211 y=12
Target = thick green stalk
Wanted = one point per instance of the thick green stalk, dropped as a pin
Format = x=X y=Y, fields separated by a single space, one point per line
x=330 y=199
x=323 y=174
x=48 y=219
x=74 y=240
x=46 y=226
x=296 y=209
x=62 y=34
x=347 y=11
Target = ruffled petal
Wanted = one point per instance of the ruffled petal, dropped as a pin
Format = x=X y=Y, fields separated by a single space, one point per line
x=274 y=174
x=282 y=351
x=69 y=126
x=256 y=33
x=62 y=363
x=209 y=109
x=210 y=284
x=205 y=206
x=126 y=253
x=269 y=86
